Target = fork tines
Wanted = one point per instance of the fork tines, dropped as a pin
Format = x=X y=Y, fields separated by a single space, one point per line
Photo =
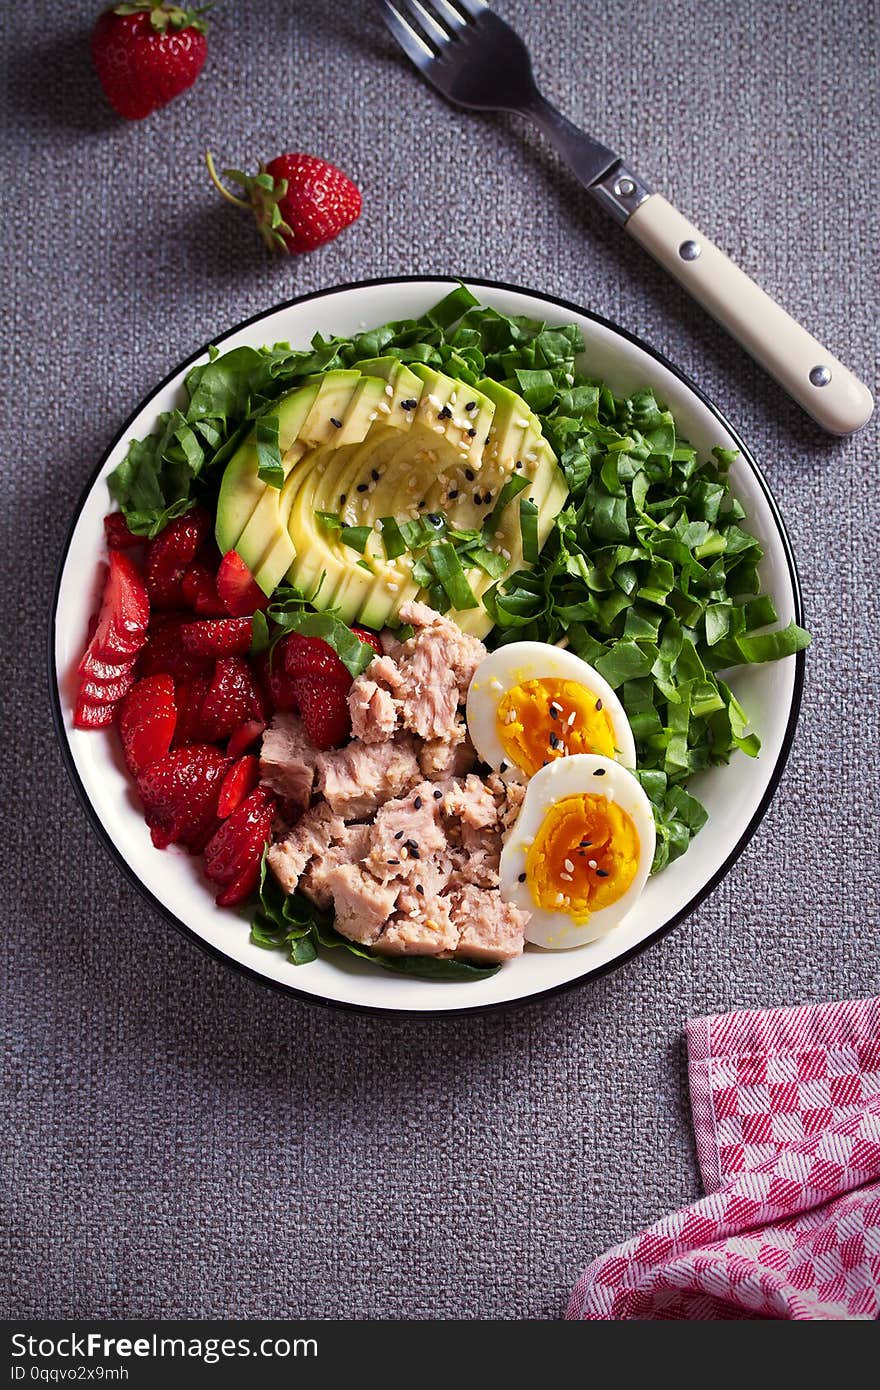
x=423 y=30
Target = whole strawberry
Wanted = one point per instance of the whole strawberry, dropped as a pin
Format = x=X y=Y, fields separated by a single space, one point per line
x=299 y=201
x=147 y=54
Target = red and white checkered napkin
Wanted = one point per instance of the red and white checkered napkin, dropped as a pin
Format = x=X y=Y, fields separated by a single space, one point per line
x=786 y=1107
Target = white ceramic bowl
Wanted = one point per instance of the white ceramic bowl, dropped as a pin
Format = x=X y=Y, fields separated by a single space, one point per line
x=736 y=796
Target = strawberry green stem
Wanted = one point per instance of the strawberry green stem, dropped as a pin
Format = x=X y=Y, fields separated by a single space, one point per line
x=215 y=179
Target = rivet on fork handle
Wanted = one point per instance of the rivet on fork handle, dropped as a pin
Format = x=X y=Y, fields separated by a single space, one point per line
x=620 y=192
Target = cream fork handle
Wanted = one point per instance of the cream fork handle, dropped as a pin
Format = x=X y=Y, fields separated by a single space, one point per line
x=826 y=389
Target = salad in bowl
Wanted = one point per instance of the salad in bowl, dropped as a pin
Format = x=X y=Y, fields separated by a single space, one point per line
x=415 y=638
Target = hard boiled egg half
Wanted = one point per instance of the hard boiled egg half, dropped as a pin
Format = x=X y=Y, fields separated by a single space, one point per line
x=531 y=704
x=580 y=851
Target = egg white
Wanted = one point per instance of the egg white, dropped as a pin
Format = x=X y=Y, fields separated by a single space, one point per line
x=557 y=931
x=518 y=662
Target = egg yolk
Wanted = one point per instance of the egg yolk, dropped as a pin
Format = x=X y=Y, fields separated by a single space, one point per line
x=584 y=856
x=542 y=720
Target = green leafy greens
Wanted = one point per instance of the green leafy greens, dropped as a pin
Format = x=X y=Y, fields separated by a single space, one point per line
x=647 y=573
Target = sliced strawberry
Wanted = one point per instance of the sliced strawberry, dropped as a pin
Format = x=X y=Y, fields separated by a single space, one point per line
x=190 y=696
x=89 y=714
x=103 y=672
x=233 y=698
x=244 y=737
x=276 y=682
x=146 y=722
x=324 y=709
x=238 y=783
x=242 y=887
x=222 y=637
x=172 y=552
x=238 y=588
x=240 y=841
x=125 y=612
x=371 y=638
x=165 y=653
x=117 y=534
x=107 y=692
x=312 y=657
x=198 y=591
x=179 y=793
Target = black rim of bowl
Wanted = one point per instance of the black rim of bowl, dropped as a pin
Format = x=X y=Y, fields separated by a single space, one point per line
x=215 y=951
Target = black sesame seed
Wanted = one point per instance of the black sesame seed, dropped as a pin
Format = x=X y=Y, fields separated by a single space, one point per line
x=420 y=890
x=518 y=463
x=342 y=500
x=392 y=861
x=553 y=714
x=600 y=772
x=486 y=440
x=399 y=835
x=477 y=499
x=471 y=405
x=601 y=873
x=471 y=433
x=598 y=704
x=438 y=794
x=434 y=519
x=469 y=475
x=334 y=421
x=586 y=844
x=408 y=405
x=418 y=803
x=361 y=487
x=521 y=878
x=444 y=414
x=487 y=497
x=554 y=742
x=453 y=495
x=502 y=767
x=374 y=474
x=415 y=854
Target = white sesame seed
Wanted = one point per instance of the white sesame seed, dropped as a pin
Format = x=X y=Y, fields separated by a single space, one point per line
x=570 y=721
x=559 y=899
x=592 y=863
x=569 y=866
x=378 y=525
x=505 y=554
x=385 y=407
x=374 y=415
x=523 y=424
x=436 y=403
x=439 y=429
x=392 y=587
x=567 y=878
x=453 y=398
x=389 y=390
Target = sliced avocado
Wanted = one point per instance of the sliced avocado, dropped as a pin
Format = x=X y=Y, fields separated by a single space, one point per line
x=351 y=449
x=241 y=489
x=405 y=387
x=327 y=415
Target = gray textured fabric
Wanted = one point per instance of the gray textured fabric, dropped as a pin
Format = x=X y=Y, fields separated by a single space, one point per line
x=181 y=1142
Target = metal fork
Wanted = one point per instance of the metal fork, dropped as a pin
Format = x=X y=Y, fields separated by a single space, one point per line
x=476 y=60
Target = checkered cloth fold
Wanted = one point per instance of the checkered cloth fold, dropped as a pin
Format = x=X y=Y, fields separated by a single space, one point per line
x=786 y=1112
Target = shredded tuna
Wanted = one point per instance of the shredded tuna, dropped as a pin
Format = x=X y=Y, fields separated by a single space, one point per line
x=362 y=904
x=287 y=760
x=450 y=756
x=419 y=931
x=404 y=841
x=346 y=848
x=490 y=928
x=359 y=778
x=373 y=711
x=309 y=839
